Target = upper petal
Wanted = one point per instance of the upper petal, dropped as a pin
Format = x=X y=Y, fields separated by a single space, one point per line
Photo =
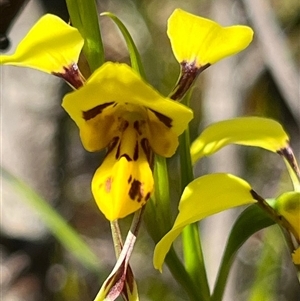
x=49 y=46
x=200 y=40
x=162 y=139
x=119 y=84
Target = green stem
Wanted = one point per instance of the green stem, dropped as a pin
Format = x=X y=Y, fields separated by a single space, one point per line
x=181 y=276
x=157 y=214
x=162 y=193
x=158 y=222
x=116 y=236
x=84 y=17
x=173 y=262
x=192 y=248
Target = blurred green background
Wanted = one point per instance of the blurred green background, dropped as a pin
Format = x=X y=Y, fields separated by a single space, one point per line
x=41 y=147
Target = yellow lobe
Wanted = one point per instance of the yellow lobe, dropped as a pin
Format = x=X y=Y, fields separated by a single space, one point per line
x=124 y=181
x=49 y=46
x=202 y=41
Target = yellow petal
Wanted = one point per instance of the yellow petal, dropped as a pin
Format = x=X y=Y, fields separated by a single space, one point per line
x=296 y=256
x=119 y=84
x=288 y=205
x=124 y=181
x=200 y=40
x=251 y=131
x=203 y=197
x=49 y=46
x=99 y=128
x=162 y=139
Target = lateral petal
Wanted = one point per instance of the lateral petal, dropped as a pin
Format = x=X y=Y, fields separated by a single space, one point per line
x=203 y=197
x=50 y=46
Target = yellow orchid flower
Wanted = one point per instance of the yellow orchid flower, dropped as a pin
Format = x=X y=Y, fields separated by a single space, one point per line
x=51 y=46
x=202 y=41
x=118 y=110
x=114 y=109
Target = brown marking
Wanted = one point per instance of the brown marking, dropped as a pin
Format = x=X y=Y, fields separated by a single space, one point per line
x=127 y=157
x=112 y=144
x=92 y=113
x=135 y=190
x=147 y=150
x=288 y=154
x=118 y=152
x=147 y=196
x=108 y=184
x=136 y=126
x=124 y=125
x=129 y=179
x=167 y=121
x=71 y=75
x=136 y=151
x=189 y=73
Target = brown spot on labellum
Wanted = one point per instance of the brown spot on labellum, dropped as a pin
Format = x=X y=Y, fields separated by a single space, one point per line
x=135 y=190
x=129 y=179
x=92 y=113
x=108 y=183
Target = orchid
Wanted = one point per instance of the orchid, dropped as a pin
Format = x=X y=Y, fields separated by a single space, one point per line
x=120 y=112
x=125 y=114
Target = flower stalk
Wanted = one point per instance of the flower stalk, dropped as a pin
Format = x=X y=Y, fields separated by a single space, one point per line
x=84 y=17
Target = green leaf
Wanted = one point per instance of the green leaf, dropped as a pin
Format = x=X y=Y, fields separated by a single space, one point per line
x=203 y=197
x=84 y=17
x=55 y=223
x=251 y=220
x=134 y=54
x=251 y=131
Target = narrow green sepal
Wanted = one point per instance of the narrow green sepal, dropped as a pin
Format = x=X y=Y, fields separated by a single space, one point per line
x=134 y=54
